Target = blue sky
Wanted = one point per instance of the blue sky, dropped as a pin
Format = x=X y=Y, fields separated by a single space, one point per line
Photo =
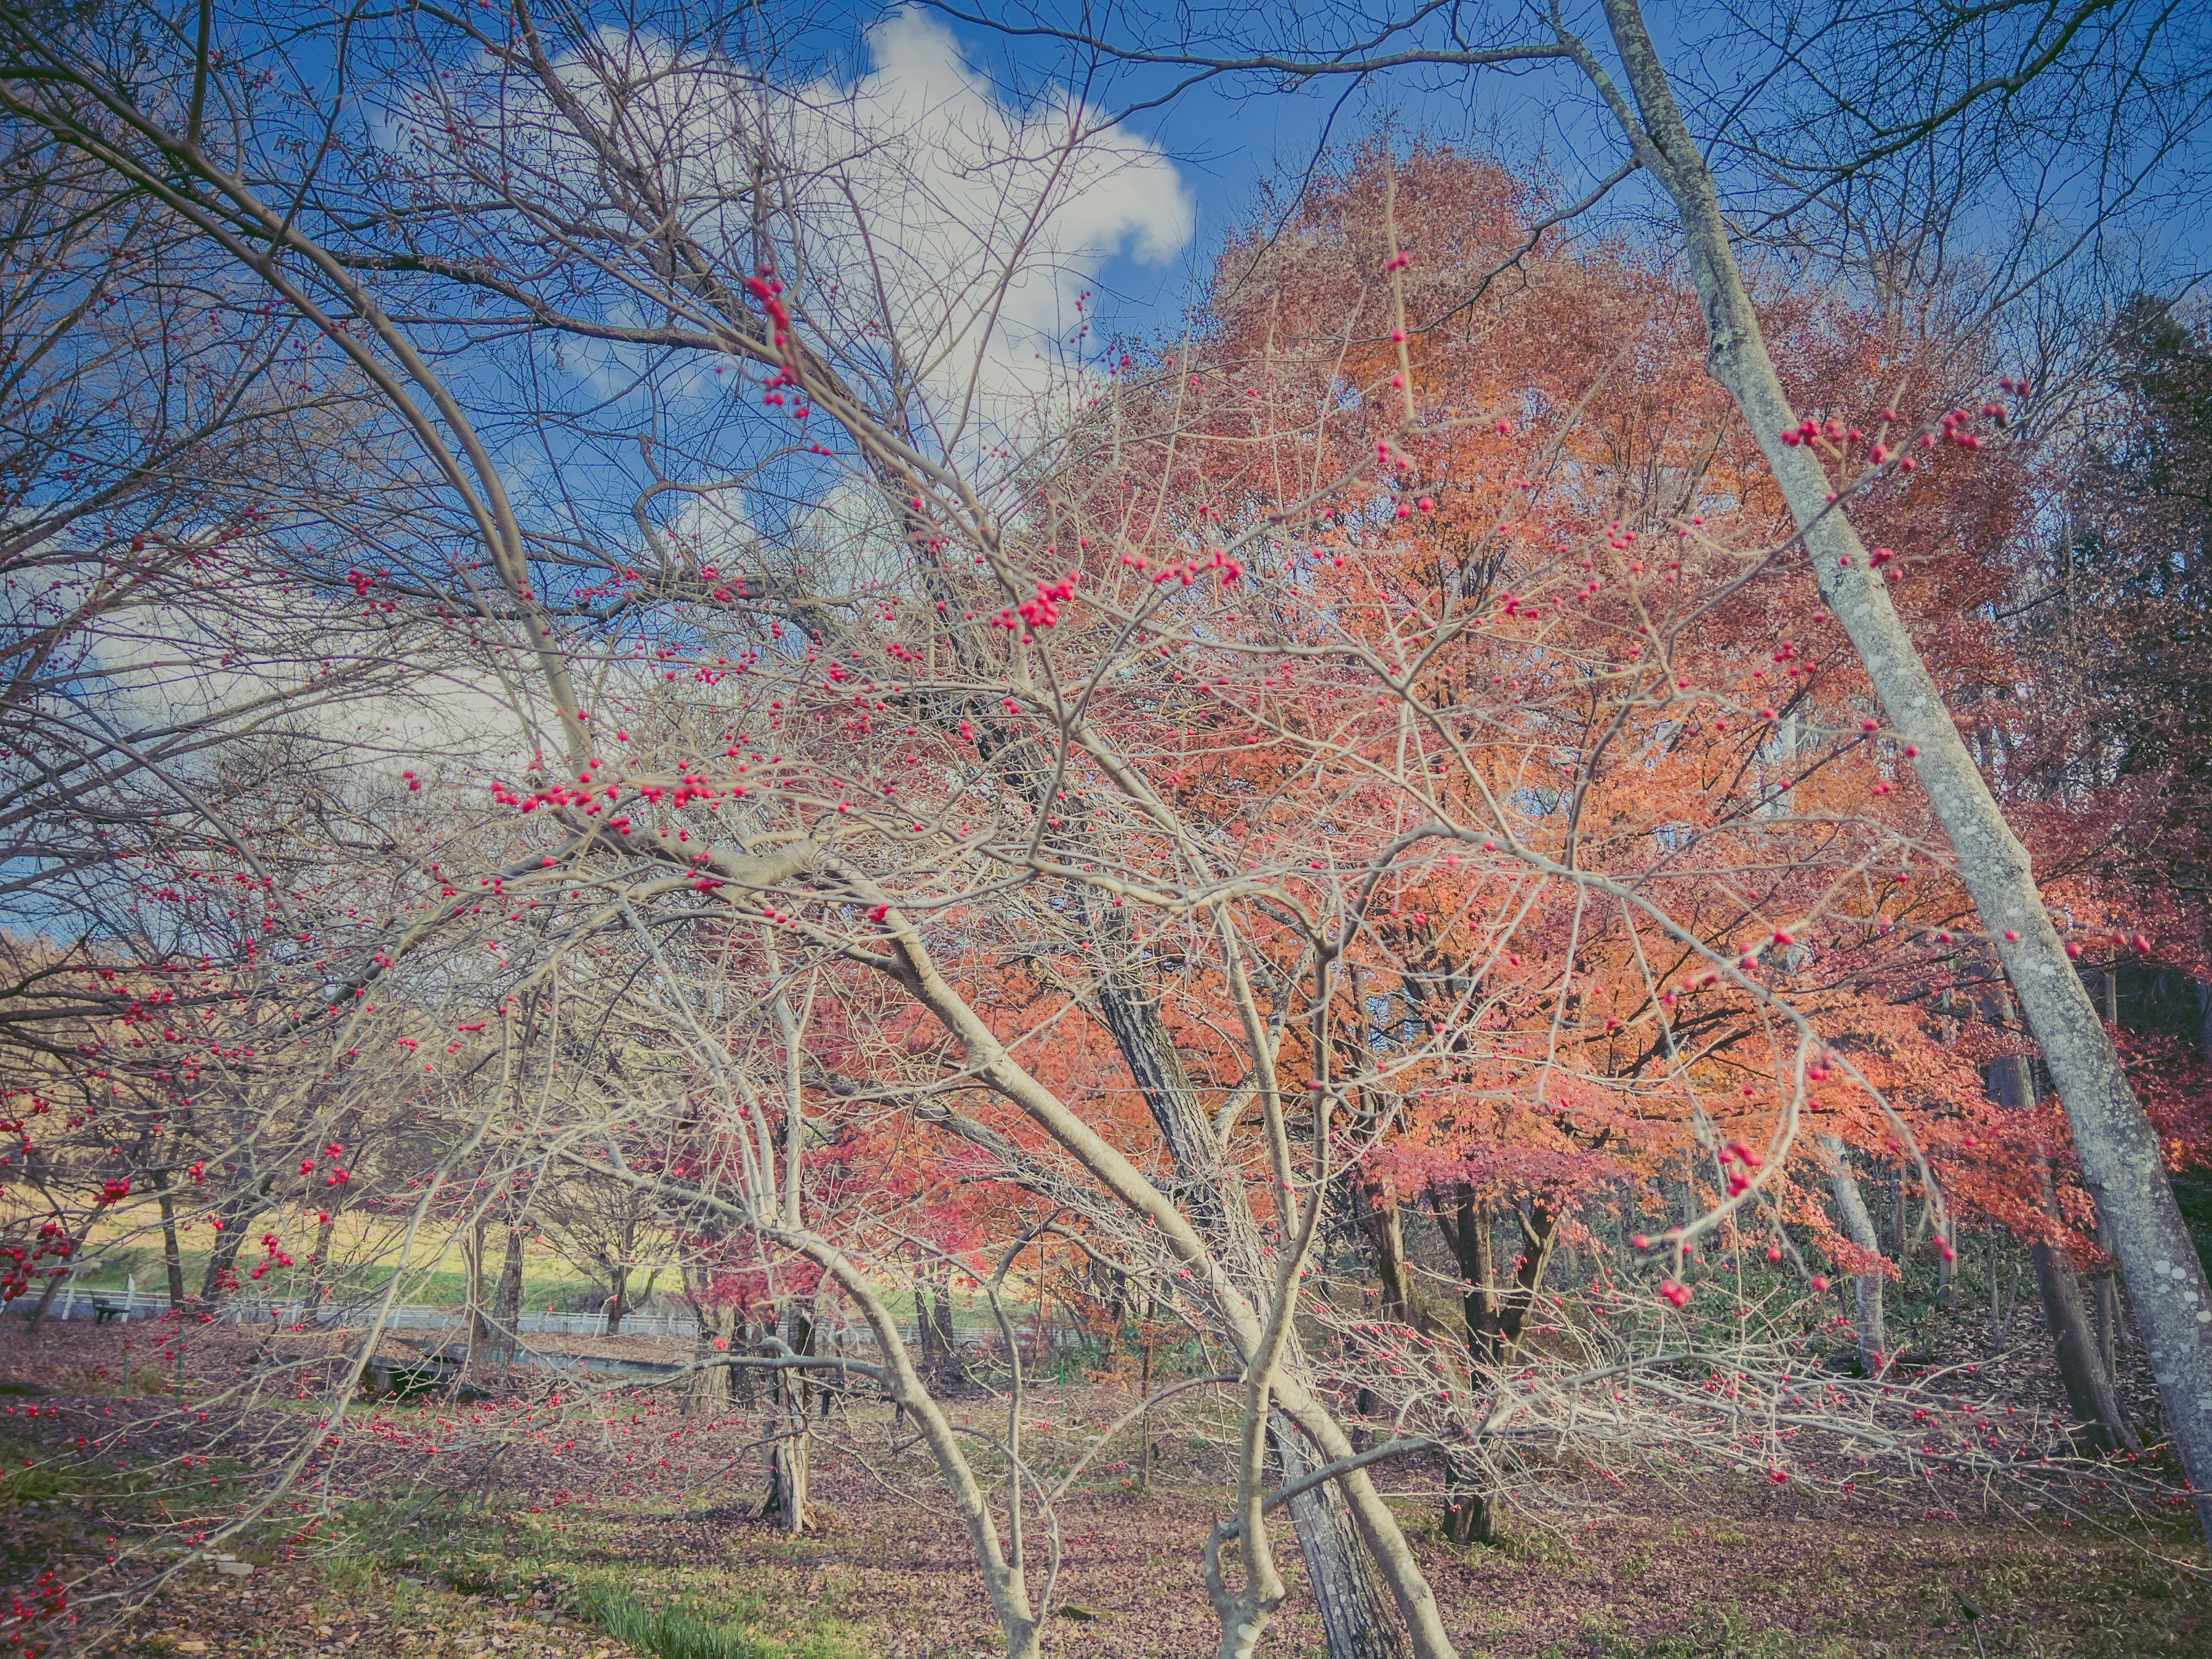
x=1225 y=140
x=1226 y=137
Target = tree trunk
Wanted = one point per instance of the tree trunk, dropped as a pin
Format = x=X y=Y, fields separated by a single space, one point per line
x=2118 y=1148
x=1495 y=1319
x=1385 y=1226
x=1471 y=1504
x=472 y=1262
x=1858 y=1226
x=940 y=1301
x=2108 y=1308
x=618 y=1282
x=2088 y=1390
x=54 y=1279
x=744 y=1382
x=933 y=1318
x=2089 y=1384
x=172 y=1254
x=1466 y=1227
x=790 y=1459
x=2000 y=1310
x=222 y=1263
x=711 y=1387
x=1354 y=1615
x=321 y=1261
x=1113 y=1287
x=1145 y=1392
x=507 y=1303
x=791 y=1445
x=46 y=1300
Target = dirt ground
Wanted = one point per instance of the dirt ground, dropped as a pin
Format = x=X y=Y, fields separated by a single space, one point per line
x=596 y=1519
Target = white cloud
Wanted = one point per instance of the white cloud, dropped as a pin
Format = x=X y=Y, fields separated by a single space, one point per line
x=916 y=201
x=988 y=220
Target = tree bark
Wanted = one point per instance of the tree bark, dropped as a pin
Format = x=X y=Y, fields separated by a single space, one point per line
x=54 y=1280
x=2088 y=1385
x=1354 y=1614
x=172 y=1254
x=940 y=1306
x=1467 y=1229
x=507 y=1303
x=791 y=1443
x=2116 y=1147
x=744 y=1385
x=618 y=1282
x=1471 y=1502
x=473 y=1264
x=2088 y=1390
x=1386 y=1228
x=223 y=1262
x=2108 y=1308
x=323 y=1230
x=924 y=1326
x=1495 y=1319
x=1873 y=1339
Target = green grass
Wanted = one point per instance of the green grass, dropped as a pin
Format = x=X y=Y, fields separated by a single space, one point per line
x=601 y=1572
x=711 y=1626
x=1719 y=1636
x=437 y=1287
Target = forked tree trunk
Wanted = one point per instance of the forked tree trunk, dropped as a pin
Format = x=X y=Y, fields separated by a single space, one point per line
x=223 y=1264
x=1867 y=1323
x=1496 y=1316
x=2118 y=1148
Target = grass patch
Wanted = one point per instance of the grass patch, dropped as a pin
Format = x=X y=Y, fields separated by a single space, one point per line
x=710 y=1627
x=608 y=1573
x=1720 y=1636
